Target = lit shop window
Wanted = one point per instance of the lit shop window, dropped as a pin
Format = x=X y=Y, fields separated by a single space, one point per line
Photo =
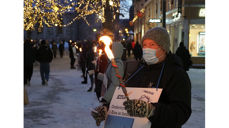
x=197 y=40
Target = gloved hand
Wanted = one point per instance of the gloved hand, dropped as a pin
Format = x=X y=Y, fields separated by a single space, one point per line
x=139 y=108
x=99 y=114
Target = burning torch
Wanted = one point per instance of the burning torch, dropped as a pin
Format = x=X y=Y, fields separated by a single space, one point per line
x=139 y=15
x=107 y=41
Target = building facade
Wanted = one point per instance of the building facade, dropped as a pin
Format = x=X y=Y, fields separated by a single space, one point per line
x=185 y=21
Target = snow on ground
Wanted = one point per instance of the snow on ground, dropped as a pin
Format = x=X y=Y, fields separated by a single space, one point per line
x=65 y=102
x=197 y=119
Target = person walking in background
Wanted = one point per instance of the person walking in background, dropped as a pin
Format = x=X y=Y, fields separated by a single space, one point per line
x=71 y=55
x=124 y=50
x=89 y=63
x=82 y=61
x=128 y=47
x=29 y=59
x=44 y=56
x=61 y=49
x=185 y=56
x=132 y=44
x=137 y=51
x=54 y=48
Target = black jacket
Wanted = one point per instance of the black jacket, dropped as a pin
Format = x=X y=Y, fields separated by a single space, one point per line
x=137 y=51
x=44 y=54
x=185 y=56
x=174 y=106
x=89 y=58
x=29 y=54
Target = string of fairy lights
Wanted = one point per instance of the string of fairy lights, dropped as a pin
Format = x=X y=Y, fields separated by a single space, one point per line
x=50 y=12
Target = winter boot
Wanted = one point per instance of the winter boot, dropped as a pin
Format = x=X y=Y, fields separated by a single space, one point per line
x=46 y=82
x=84 y=82
x=90 y=89
x=43 y=83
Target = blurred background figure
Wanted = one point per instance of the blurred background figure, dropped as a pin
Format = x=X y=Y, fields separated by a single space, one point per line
x=54 y=48
x=124 y=51
x=82 y=61
x=137 y=50
x=61 y=48
x=71 y=48
x=29 y=59
x=44 y=56
x=185 y=56
x=90 y=57
x=128 y=47
x=101 y=67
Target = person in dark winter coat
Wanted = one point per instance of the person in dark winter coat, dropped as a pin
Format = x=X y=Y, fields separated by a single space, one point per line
x=185 y=56
x=163 y=69
x=29 y=59
x=61 y=48
x=137 y=51
x=129 y=48
x=100 y=69
x=71 y=55
x=54 y=48
x=82 y=61
x=90 y=64
x=124 y=51
x=44 y=56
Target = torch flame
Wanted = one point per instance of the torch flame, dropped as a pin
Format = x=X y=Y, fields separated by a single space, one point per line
x=100 y=52
x=95 y=49
x=107 y=41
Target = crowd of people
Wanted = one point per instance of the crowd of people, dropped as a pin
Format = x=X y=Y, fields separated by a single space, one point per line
x=157 y=68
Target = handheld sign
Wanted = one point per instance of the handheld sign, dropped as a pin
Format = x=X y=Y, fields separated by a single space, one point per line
x=117 y=115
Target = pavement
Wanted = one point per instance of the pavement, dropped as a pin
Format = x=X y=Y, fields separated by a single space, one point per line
x=65 y=102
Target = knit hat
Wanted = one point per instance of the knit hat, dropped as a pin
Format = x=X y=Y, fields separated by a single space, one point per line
x=160 y=36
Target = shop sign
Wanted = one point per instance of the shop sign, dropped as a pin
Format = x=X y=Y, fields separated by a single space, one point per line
x=176 y=16
x=202 y=12
x=155 y=20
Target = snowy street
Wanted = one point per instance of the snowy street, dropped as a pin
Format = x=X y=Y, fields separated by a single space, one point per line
x=65 y=102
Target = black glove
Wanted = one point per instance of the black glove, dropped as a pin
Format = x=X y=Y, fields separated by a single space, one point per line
x=99 y=114
x=139 y=108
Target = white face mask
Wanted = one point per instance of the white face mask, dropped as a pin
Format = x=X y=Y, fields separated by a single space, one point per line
x=149 y=55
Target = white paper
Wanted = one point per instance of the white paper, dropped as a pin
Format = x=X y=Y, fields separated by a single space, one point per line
x=146 y=94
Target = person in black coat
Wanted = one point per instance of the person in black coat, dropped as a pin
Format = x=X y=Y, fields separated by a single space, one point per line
x=82 y=62
x=89 y=64
x=137 y=51
x=29 y=59
x=71 y=55
x=185 y=56
x=44 y=56
x=161 y=69
x=61 y=48
x=54 y=48
x=129 y=47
